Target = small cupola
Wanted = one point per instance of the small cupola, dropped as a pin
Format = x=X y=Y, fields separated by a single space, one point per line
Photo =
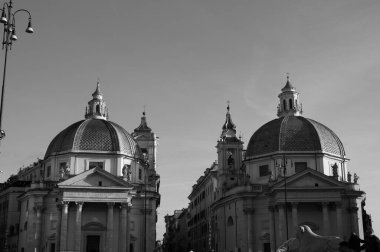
x=97 y=107
x=289 y=101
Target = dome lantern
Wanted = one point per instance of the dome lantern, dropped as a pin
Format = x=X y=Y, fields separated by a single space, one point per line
x=289 y=101
x=97 y=107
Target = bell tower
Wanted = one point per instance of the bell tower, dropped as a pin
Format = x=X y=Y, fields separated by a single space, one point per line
x=230 y=155
x=147 y=141
x=289 y=101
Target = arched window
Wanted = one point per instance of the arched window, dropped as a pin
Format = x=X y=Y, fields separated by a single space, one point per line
x=284 y=104
x=98 y=108
x=230 y=221
x=290 y=104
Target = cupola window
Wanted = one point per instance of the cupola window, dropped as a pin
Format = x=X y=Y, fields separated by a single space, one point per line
x=284 y=104
x=290 y=104
x=140 y=174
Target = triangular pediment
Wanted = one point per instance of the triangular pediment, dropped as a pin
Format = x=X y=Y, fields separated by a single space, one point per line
x=309 y=178
x=96 y=177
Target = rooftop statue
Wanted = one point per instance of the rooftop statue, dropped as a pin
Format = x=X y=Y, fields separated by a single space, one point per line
x=308 y=241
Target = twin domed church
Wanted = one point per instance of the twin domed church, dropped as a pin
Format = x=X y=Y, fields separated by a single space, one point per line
x=97 y=188
x=293 y=172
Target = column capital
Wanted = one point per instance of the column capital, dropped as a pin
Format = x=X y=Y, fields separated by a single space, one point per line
x=124 y=205
x=294 y=204
x=64 y=203
x=280 y=205
x=79 y=205
x=325 y=203
x=338 y=204
x=38 y=207
x=110 y=204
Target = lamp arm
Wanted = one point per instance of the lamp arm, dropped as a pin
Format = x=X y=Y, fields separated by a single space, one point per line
x=20 y=10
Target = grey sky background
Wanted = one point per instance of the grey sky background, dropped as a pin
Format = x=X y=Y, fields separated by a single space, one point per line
x=183 y=59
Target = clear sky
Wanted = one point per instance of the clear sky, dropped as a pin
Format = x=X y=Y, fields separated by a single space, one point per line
x=183 y=59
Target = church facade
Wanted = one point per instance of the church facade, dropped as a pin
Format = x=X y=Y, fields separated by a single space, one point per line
x=96 y=189
x=293 y=172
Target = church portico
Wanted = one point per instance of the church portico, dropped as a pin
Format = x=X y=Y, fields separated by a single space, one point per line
x=82 y=222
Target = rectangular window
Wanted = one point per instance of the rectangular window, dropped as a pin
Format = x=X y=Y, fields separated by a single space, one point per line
x=140 y=174
x=48 y=171
x=93 y=165
x=264 y=170
x=300 y=166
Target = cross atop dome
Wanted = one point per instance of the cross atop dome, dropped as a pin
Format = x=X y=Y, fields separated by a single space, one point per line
x=288 y=85
x=97 y=94
x=289 y=101
x=97 y=107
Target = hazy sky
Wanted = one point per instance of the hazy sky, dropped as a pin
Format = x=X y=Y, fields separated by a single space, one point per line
x=183 y=59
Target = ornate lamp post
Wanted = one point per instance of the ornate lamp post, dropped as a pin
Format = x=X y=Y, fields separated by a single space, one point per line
x=9 y=36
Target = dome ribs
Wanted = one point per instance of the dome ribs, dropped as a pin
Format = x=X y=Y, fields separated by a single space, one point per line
x=94 y=135
x=293 y=134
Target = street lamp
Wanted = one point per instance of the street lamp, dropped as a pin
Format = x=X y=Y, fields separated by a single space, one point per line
x=9 y=36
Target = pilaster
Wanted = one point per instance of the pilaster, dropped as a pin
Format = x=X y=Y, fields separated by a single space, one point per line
x=249 y=212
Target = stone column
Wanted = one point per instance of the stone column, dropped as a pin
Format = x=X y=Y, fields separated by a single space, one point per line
x=58 y=230
x=110 y=226
x=78 y=227
x=271 y=229
x=37 y=236
x=325 y=217
x=294 y=218
x=281 y=223
x=249 y=212
x=339 y=218
x=124 y=245
x=64 y=217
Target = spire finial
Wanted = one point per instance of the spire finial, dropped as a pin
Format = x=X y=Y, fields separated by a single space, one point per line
x=143 y=127
x=228 y=106
x=287 y=77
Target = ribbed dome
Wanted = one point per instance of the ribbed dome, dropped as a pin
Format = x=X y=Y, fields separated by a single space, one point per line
x=94 y=135
x=294 y=134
